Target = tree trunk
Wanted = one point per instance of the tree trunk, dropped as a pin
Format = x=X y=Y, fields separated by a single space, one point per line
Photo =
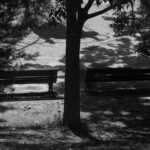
x=71 y=116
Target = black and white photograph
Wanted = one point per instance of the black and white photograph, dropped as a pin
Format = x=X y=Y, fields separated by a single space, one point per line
x=74 y=74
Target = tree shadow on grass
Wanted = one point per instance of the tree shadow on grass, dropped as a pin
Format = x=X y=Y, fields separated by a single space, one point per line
x=119 y=117
x=120 y=55
x=14 y=56
x=117 y=111
x=36 y=140
x=67 y=146
x=48 y=33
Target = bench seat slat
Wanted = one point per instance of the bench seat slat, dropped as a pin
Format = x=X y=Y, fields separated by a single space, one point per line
x=28 y=80
x=117 y=70
x=50 y=78
x=28 y=73
x=105 y=78
x=5 y=82
x=119 y=79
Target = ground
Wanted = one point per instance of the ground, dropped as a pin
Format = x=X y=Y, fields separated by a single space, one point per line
x=115 y=120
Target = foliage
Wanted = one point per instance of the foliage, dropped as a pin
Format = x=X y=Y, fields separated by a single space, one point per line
x=16 y=18
x=144 y=45
x=135 y=22
x=57 y=12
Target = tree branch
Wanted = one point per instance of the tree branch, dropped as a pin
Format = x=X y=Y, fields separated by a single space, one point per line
x=107 y=9
x=100 y=12
x=88 y=5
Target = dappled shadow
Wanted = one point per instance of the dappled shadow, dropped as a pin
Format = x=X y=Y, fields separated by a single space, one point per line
x=122 y=53
x=48 y=33
x=117 y=53
x=99 y=56
x=25 y=139
x=26 y=45
x=25 y=146
x=108 y=18
x=119 y=116
x=43 y=140
x=89 y=33
x=30 y=96
x=14 y=34
x=117 y=111
x=14 y=57
x=33 y=140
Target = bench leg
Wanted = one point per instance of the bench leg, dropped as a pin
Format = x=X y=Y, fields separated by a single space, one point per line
x=51 y=91
x=50 y=88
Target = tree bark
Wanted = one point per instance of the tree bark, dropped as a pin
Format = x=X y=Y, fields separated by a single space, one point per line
x=71 y=117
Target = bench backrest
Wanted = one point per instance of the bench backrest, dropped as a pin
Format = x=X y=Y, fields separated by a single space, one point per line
x=116 y=74
x=28 y=76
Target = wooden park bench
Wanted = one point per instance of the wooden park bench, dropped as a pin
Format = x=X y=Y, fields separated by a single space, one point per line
x=29 y=77
x=94 y=75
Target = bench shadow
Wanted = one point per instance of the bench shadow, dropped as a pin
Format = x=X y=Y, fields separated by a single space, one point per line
x=3 y=109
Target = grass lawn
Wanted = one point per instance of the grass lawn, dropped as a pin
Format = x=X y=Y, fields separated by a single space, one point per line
x=114 y=121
